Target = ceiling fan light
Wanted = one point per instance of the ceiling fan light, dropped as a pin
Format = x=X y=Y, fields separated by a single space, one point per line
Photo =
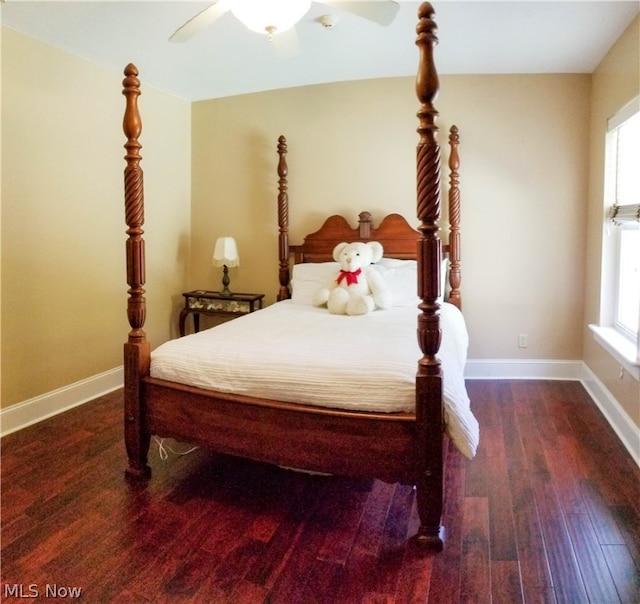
x=270 y=16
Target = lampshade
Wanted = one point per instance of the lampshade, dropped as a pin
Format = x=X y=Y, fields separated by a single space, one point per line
x=270 y=16
x=226 y=252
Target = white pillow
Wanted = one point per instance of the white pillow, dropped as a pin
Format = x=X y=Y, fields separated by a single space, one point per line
x=396 y=263
x=444 y=279
x=308 y=277
x=401 y=277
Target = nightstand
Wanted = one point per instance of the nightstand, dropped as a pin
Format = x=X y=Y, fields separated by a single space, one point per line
x=203 y=302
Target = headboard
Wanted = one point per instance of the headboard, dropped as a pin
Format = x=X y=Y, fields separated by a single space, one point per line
x=394 y=233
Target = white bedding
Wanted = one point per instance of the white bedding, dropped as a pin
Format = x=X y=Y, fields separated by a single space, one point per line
x=302 y=354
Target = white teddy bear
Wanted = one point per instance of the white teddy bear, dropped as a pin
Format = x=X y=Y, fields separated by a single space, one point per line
x=358 y=288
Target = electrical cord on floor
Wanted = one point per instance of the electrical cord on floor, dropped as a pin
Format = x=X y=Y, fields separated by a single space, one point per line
x=164 y=450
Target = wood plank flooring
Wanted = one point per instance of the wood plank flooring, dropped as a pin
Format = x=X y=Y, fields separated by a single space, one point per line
x=548 y=511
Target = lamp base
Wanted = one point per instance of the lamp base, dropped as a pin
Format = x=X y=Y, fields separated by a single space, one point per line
x=225 y=281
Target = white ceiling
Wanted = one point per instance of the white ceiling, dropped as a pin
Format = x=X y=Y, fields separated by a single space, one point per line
x=227 y=59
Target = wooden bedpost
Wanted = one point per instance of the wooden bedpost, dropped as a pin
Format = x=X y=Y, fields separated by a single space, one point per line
x=454 y=218
x=283 y=220
x=429 y=406
x=136 y=350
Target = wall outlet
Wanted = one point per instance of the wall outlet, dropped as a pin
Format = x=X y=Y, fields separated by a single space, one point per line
x=522 y=340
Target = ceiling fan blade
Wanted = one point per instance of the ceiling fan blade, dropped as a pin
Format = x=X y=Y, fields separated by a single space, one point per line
x=200 y=21
x=382 y=12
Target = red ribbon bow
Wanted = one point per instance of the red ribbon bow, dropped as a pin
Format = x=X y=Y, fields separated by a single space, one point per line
x=351 y=277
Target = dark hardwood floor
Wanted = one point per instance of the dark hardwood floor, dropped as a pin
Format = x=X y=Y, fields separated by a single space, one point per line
x=548 y=511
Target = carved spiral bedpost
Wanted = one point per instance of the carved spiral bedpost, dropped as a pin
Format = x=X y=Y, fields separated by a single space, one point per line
x=136 y=350
x=454 y=218
x=283 y=220
x=429 y=411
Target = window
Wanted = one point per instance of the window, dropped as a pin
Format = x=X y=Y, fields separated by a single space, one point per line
x=627 y=309
x=622 y=186
x=620 y=312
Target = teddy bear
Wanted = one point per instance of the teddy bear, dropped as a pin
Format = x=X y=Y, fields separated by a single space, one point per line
x=358 y=288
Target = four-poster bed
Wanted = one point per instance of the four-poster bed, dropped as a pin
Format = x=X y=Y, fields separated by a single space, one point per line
x=270 y=420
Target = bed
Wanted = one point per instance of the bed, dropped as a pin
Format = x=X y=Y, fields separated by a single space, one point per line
x=260 y=411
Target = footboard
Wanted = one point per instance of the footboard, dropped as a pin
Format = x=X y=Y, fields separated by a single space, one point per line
x=345 y=443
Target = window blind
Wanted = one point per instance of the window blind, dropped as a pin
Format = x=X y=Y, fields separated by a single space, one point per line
x=627 y=213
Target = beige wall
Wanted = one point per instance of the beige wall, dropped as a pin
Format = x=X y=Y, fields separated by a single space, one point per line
x=1 y=87
x=352 y=146
x=63 y=231
x=616 y=81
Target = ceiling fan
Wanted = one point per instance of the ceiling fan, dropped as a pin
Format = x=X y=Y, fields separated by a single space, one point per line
x=272 y=17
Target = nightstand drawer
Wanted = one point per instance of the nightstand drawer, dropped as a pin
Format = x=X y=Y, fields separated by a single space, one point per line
x=211 y=303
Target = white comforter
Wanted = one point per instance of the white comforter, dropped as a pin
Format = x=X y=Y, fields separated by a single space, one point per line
x=297 y=353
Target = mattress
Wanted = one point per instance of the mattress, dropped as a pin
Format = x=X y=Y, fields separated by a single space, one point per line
x=302 y=354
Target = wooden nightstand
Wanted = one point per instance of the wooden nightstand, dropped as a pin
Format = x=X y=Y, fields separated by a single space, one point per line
x=203 y=302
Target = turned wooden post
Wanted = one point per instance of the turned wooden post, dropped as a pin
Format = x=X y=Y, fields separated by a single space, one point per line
x=283 y=220
x=429 y=413
x=136 y=350
x=364 y=225
x=454 y=218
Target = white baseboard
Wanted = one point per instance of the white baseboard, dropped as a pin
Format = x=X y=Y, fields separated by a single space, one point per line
x=41 y=407
x=530 y=369
x=623 y=426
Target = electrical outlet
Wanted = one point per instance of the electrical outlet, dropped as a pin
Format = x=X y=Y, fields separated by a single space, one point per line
x=522 y=340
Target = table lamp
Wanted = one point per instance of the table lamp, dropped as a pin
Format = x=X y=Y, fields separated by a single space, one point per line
x=225 y=254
